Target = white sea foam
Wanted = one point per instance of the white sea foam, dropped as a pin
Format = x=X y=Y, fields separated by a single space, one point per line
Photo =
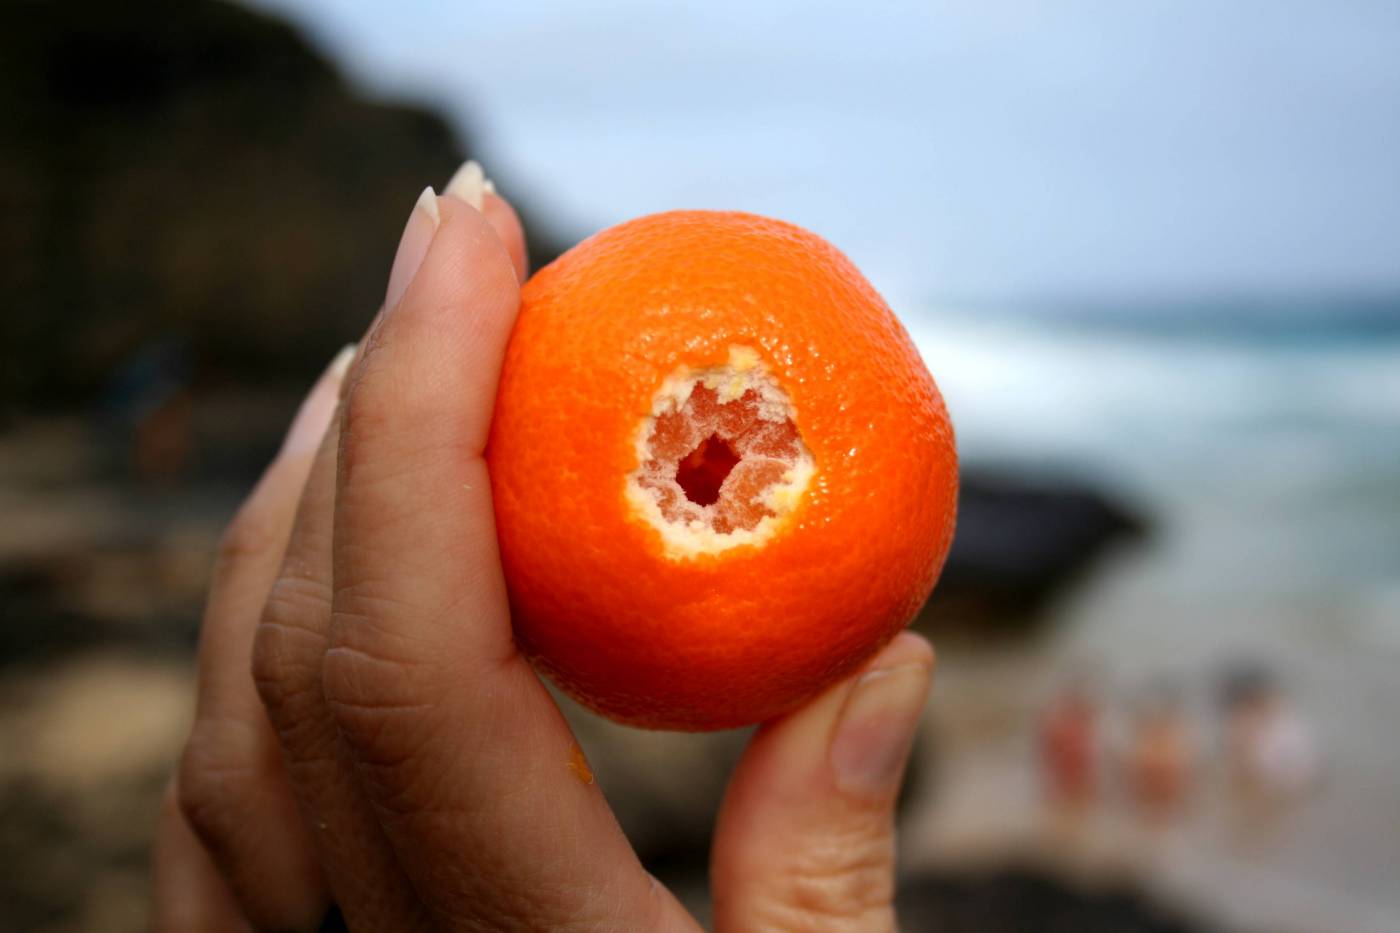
x=1270 y=462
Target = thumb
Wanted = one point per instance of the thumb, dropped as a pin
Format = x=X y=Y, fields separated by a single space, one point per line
x=806 y=833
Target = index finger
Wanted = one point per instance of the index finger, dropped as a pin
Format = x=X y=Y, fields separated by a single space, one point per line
x=473 y=771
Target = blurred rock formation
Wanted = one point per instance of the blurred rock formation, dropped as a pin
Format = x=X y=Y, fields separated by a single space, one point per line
x=1022 y=539
x=1016 y=899
x=192 y=171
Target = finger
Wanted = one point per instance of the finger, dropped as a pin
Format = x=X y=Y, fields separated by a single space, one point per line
x=474 y=774
x=188 y=893
x=360 y=867
x=805 y=838
x=471 y=185
x=289 y=649
x=233 y=789
x=506 y=223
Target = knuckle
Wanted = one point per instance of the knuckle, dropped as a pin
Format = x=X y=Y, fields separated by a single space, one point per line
x=839 y=883
x=287 y=650
x=287 y=687
x=214 y=783
x=375 y=704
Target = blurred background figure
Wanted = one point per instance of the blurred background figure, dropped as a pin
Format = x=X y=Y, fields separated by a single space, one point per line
x=1149 y=252
x=148 y=406
x=1270 y=748
x=1159 y=764
x=1069 y=745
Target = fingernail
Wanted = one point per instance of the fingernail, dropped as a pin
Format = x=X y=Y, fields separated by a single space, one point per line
x=413 y=246
x=341 y=364
x=876 y=728
x=314 y=416
x=470 y=184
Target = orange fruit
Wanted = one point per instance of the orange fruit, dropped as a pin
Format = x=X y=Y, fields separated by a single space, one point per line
x=723 y=476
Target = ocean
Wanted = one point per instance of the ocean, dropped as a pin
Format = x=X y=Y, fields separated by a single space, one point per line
x=1265 y=449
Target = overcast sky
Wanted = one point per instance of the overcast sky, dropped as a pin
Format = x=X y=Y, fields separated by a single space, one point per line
x=998 y=149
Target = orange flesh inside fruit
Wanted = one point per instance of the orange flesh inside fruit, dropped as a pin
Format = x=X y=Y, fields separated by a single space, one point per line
x=722 y=461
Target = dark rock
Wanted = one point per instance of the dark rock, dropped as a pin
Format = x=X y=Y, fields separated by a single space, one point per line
x=192 y=172
x=1013 y=900
x=1022 y=540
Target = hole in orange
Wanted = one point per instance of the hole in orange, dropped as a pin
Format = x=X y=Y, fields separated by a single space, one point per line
x=701 y=472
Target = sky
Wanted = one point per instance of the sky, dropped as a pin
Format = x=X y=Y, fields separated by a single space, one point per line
x=1003 y=150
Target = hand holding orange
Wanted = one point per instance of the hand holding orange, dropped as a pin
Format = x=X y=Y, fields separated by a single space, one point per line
x=723 y=477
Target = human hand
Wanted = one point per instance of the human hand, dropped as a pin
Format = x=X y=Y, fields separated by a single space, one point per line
x=391 y=752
